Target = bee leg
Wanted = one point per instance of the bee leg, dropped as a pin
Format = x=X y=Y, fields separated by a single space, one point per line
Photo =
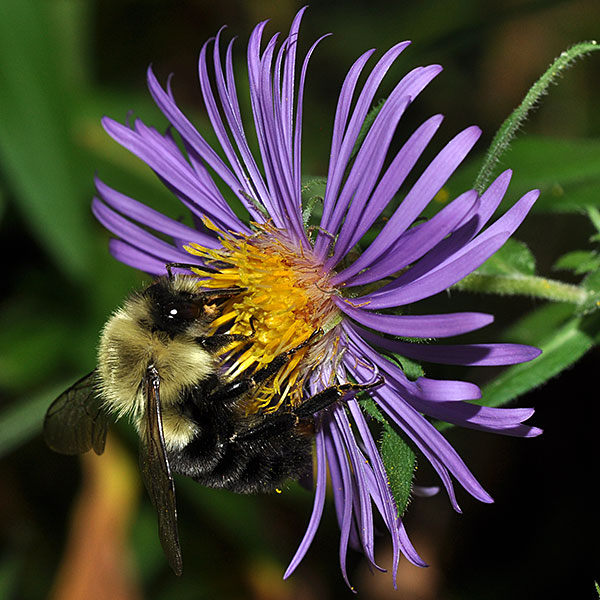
x=271 y=425
x=329 y=395
x=244 y=384
x=213 y=343
x=279 y=422
x=281 y=359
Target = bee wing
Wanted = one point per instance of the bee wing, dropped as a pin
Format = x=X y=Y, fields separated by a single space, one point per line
x=156 y=472
x=75 y=421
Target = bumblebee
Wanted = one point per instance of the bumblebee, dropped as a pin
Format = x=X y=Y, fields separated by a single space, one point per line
x=158 y=363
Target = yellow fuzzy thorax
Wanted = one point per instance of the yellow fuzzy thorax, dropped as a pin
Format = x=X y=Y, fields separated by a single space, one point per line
x=286 y=298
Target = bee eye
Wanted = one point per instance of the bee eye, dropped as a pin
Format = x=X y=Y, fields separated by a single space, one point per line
x=182 y=311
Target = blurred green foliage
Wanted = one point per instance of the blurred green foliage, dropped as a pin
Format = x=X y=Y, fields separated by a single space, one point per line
x=65 y=63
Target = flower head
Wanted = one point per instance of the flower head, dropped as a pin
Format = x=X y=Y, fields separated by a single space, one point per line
x=299 y=279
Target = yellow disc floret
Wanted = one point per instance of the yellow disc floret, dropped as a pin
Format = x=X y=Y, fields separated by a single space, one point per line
x=285 y=299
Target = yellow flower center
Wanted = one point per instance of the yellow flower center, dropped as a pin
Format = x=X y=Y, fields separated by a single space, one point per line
x=285 y=299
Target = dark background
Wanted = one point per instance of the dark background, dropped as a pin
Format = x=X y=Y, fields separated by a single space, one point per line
x=65 y=524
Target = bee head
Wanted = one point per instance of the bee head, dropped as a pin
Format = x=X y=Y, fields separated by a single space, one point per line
x=177 y=307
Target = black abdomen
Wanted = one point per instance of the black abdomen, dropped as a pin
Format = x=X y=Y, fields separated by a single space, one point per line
x=249 y=462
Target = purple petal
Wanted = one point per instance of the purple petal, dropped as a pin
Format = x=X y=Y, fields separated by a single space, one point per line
x=341 y=151
x=246 y=171
x=416 y=242
x=152 y=218
x=447 y=390
x=370 y=159
x=454 y=247
x=381 y=494
x=435 y=281
x=364 y=512
x=135 y=258
x=191 y=136
x=422 y=192
x=419 y=326
x=425 y=436
x=135 y=235
x=505 y=421
x=471 y=355
x=151 y=147
x=429 y=440
x=317 y=512
x=336 y=457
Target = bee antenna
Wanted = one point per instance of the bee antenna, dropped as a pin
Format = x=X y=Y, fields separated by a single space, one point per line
x=176 y=265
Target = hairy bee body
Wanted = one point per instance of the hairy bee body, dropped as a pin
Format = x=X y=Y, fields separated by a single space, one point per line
x=202 y=418
x=158 y=364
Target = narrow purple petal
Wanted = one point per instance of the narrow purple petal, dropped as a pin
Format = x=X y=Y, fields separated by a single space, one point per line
x=189 y=133
x=482 y=355
x=381 y=493
x=135 y=235
x=393 y=401
x=369 y=161
x=363 y=512
x=428 y=439
x=456 y=247
x=129 y=255
x=422 y=192
x=152 y=218
x=416 y=242
x=393 y=178
x=151 y=147
x=337 y=456
x=435 y=281
x=505 y=421
x=340 y=154
x=298 y=125
x=317 y=512
x=429 y=454
x=447 y=390
x=365 y=172
x=419 y=326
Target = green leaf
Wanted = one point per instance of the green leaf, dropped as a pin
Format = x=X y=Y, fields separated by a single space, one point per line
x=513 y=258
x=400 y=463
x=530 y=328
x=398 y=458
x=567 y=173
x=560 y=349
x=41 y=164
x=578 y=261
x=23 y=420
x=9 y=572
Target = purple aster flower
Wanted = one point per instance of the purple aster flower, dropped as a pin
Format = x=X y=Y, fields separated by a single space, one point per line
x=298 y=279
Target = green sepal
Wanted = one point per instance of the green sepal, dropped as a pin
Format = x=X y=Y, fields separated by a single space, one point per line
x=366 y=126
x=399 y=460
x=312 y=193
x=412 y=369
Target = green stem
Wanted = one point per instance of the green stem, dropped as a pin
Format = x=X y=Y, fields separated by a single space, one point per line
x=526 y=285
x=509 y=128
